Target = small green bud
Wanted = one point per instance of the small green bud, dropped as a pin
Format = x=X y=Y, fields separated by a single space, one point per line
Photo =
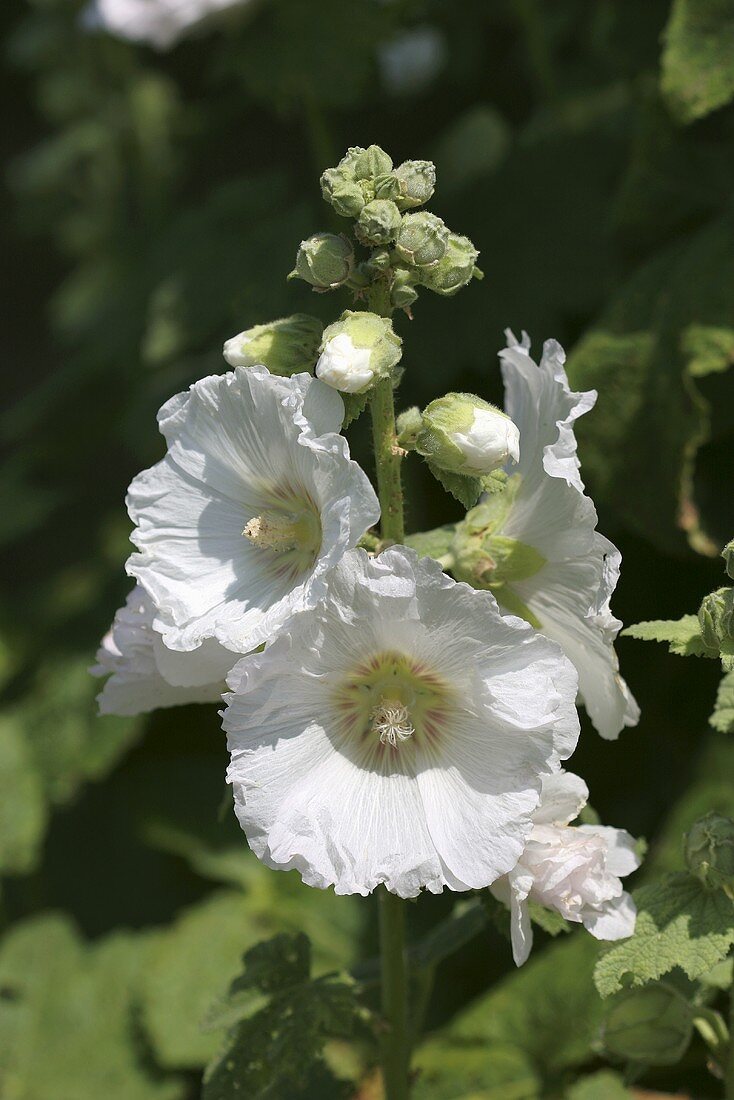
x=408 y=424
x=343 y=192
x=417 y=179
x=716 y=618
x=402 y=289
x=653 y=1025
x=358 y=350
x=286 y=346
x=454 y=270
x=422 y=239
x=388 y=187
x=728 y=555
x=709 y=852
x=371 y=163
x=324 y=260
x=376 y=265
x=378 y=222
x=465 y=435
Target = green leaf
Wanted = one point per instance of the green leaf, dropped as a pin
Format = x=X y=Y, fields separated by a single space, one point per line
x=719 y=976
x=710 y=349
x=683 y=635
x=723 y=716
x=277 y=1051
x=433 y=544
x=548 y=919
x=698 y=58
x=639 y=447
x=354 y=406
x=467 y=490
x=76 y=1005
x=470 y=1071
x=679 y=923
x=603 y=1085
x=23 y=811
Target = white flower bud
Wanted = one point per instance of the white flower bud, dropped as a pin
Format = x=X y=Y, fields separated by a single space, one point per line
x=491 y=439
x=343 y=366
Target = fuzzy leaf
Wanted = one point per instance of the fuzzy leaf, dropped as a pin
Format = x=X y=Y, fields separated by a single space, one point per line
x=354 y=406
x=679 y=923
x=683 y=635
x=698 y=59
x=467 y=490
x=723 y=716
x=548 y=919
x=604 y=1085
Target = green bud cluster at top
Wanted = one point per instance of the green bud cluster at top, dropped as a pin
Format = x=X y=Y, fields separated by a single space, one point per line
x=709 y=852
x=407 y=248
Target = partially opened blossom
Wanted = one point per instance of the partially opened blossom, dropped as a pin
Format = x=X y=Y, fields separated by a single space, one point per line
x=574 y=870
x=397 y=733
x=255 y=501
x=159 y=23
x=144 y=675
x=536 y=544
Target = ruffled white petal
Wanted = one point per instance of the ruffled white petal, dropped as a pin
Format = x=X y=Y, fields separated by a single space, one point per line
x=160 y=23
x=563 y=797
x=143 y=675
x=239 y=444
x=452 y=810
x=570 y=595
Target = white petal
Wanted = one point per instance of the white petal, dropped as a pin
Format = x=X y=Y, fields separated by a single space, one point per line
x=562 y=798
x=616 y=921
x=622 y=858
x=521 y=929
x=160 y=23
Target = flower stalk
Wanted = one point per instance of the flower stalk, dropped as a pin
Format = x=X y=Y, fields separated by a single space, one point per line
x=395 y=1042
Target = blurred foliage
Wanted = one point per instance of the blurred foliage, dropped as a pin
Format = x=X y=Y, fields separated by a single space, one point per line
x=153 y=205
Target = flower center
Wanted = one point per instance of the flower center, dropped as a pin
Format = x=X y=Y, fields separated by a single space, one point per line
x=273 y=531
x=391 y=720
x=390 y=699
x=290 y=529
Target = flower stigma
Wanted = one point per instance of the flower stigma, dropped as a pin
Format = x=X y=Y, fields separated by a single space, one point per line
x=391 y=720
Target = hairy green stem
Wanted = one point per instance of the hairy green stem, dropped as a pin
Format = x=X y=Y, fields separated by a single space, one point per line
x=395 y=1041
x=387 y=462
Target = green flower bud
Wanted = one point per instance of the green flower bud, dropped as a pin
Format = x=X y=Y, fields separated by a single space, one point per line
x=376 y=265
x=465 y=435
x=343 y=192
x=422 y=239
x=378 y=222
x=653 y=1025
x=716 y=618
x=358 y=350
x=709 y=852
x=454 y=270
x=402 y=289
x=286 y=346
x=417 y=180
x=728 y=555
x=388 y=187
x=324 y=260
x=371 y=163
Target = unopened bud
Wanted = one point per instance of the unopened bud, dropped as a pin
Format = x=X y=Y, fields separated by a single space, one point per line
x=402 y=289
x=651 y=1025
x=346 y=194
x=324 y=260
x=417 y=179
x=709 y=852
x=463 y=434
x=377 y=263
x=378 y=222
x=358 y=350
x=371 y=163
x=286 y=346
x=422 y=239
x=716 y=618
x=728 y=555
x=454 y=270
x=388 y=187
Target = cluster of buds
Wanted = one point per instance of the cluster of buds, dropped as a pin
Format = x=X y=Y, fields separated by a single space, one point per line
x=709 y=852
x=409 y=248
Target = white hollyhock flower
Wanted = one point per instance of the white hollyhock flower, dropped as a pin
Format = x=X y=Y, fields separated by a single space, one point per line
x=344 y=366
x=569 y=594
x=575 y=870
x=255 y=501
x=159 y=23
x=397 y=733
x=490 y=441
x=144 y=675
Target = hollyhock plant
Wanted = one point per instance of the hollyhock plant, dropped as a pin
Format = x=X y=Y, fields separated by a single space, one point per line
x=536 y=545
x=254 y=502
x=397 y=733
x=143 y=674
x=575 y=870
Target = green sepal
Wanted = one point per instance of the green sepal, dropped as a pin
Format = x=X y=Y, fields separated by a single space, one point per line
x=434 y=544
x=467 y=490
x=547 y=919
x=511 y=602
x=722 y=718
